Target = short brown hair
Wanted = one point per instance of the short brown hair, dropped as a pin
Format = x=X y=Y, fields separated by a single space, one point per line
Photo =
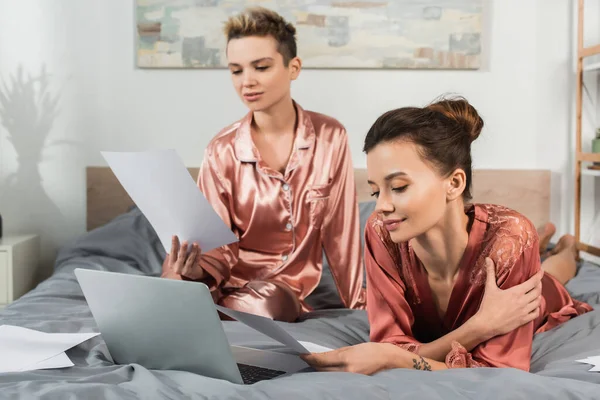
x=260 y=21
x=443 y=132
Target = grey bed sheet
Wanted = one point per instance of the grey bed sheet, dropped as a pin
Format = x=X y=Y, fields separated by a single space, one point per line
x=129 y=245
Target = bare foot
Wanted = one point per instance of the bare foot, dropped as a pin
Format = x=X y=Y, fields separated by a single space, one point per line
x=562 y=262
x=545 y=233
x=566 y=243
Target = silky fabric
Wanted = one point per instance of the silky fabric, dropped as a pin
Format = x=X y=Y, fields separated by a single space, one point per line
x=256 y=298
x=283 y=221
x=401 y=307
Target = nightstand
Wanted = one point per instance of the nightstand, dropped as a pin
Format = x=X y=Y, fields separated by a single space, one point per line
x=19 y=259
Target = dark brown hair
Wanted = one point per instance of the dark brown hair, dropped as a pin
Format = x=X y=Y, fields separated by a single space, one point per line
x=260 y=21
x=443 y=131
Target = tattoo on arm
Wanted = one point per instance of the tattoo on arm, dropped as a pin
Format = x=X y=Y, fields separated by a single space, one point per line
x=421 y=365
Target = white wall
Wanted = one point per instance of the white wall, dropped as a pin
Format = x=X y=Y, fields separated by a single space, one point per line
x=524 y=93
x=590 y=221
x=34 y=37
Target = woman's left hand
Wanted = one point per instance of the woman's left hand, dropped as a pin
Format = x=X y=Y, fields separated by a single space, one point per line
x=365 y=358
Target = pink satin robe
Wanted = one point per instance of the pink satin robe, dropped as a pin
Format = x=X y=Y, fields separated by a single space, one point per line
x=400 y=304
x=283 y=221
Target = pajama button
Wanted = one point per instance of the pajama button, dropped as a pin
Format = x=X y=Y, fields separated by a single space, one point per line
x=286 y=187
x=288 y=226
x=284 y=257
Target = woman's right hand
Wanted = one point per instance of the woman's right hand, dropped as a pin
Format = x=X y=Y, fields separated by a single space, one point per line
x=502 y=311
x=184 y=260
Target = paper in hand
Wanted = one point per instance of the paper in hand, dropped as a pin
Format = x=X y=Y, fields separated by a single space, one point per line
x=161 y=186
x=314 y=348
x=265 y=326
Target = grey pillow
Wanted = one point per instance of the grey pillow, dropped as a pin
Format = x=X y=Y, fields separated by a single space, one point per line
x=325 y=295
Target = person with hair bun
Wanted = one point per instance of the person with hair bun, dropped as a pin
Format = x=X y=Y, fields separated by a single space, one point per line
x=436 y=264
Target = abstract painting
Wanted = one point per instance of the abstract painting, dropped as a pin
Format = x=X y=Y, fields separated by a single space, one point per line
x=389 y=34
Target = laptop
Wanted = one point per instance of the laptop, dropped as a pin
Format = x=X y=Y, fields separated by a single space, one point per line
x=169 y=324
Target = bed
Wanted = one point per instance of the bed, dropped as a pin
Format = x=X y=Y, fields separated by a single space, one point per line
x=120 y=239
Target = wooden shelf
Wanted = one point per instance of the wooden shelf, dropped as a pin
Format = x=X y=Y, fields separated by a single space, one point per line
x=595 y=251
x=589 y=51
x=591 y=157
x=580 y=156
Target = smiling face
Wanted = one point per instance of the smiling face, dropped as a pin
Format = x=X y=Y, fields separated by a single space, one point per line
x=258 y=72
x=412 y=197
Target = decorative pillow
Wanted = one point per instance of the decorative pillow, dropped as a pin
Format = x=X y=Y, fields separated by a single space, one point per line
x=326 y=295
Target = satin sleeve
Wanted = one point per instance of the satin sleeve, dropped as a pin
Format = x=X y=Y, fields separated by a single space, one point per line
x=341 y=231
x=390 y=316
x=217 y=262
x=512 y=350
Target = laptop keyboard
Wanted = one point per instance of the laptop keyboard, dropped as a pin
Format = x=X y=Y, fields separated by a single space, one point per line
x=251 y=373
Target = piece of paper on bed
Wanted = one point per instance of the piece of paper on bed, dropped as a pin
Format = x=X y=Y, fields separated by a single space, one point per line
x=590 y=360
x=265 y=326
x=61 y=360
x=593 y=361
x=23 y=349
x=163 y=189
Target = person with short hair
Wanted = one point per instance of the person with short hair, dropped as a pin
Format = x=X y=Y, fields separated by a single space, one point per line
x=282 y=179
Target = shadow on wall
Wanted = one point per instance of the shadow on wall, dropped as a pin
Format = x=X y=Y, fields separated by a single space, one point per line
x=28 y=110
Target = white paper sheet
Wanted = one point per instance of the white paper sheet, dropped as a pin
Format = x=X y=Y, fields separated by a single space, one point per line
x=23 y=349
x=590 y=360
x=265 y=326
x=314 y=348
x=161 y=186
x=61 y=360
x=593 y=361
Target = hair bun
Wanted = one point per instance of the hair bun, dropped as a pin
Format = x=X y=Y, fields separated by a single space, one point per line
x=461 y=111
